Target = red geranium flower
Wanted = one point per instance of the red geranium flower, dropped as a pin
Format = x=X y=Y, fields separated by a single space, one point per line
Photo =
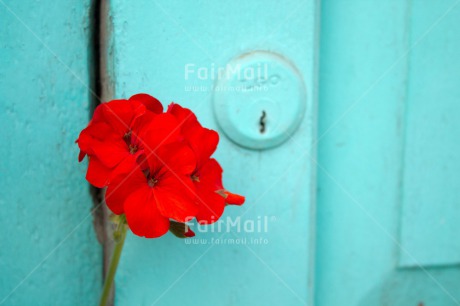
x=157 y=166
x=112 y=139
x=211 y=196
x=161 y=192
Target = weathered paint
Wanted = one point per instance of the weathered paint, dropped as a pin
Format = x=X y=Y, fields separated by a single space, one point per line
x=387 y=178
x=49 y=254
x=151 y=43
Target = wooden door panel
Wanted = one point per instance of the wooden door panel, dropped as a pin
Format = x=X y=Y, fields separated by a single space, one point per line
x=49 y=253
x=431 y=203
x=150 y=44
x=388 y=153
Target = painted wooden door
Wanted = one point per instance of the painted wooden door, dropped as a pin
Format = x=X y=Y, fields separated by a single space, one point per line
x=170 y=49
x=49 y=254
x=388 y=161
x=388 y=154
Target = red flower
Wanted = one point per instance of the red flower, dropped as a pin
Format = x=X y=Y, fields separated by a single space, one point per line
x=149 y=198
x=157 y=166
x=211 y=197
x=113 y=137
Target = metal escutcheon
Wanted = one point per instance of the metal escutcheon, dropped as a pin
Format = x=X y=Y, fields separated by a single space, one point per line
x=259 y=100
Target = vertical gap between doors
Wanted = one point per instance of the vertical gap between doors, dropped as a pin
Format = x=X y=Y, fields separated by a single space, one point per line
x=97 y=39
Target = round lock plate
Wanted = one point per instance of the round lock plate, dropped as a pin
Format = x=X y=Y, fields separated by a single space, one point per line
x=259 y=99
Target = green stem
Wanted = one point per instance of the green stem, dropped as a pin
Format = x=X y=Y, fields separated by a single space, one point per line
x=113 y=266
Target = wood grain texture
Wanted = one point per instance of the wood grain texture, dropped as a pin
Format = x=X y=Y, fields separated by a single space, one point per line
x=49 y=254
x=152 y=41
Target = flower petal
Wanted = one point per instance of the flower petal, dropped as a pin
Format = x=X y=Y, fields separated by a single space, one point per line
x=233 y=198
x=126 y=167
x=203 y=142
x=99 y=130
x=175 y=157
x=174 y=197
x=143 y=216
x=111 y=152
x=184 y=116
x=211 y=204
x=163 y=129
x=119 y=114
x=81 y=156
x=151 y=103
x=98 y=174
x=94 y=132
x=121 y=187
x=210 y=175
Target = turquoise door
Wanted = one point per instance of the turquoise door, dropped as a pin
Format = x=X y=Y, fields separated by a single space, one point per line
x=388 y=155
x=49 y=253
x=346 y=149
x=170 y=49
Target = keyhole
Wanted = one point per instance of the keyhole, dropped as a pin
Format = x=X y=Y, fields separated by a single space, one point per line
x=262 y=122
